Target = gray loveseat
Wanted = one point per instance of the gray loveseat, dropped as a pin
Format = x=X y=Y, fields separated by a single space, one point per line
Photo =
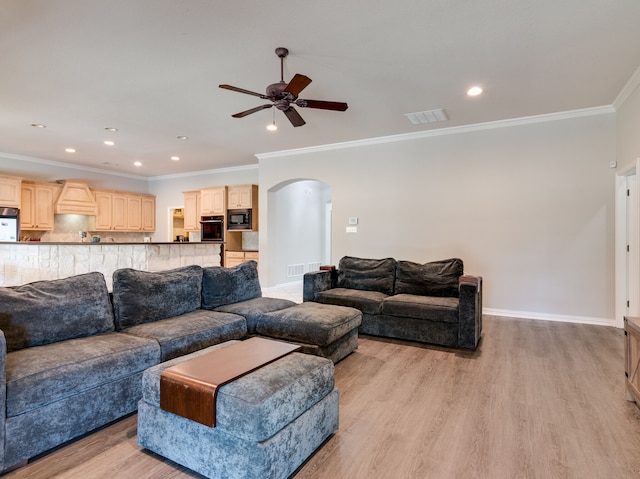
x=432 y=303
x=71 y=359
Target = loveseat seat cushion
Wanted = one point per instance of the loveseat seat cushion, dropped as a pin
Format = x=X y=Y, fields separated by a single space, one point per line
x=49 y=311
x=432 y=308
x=369 y=302
x=191 y=331
x=222 y=286
x=437 y=278
x=252 y=309
x=144 y=296
x=367 y=274
x=41 y=375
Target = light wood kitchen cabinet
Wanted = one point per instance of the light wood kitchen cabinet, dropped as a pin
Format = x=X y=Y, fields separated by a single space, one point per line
x=10 y=191
x=148 y=213
x=242 y=196
x=213 y=201
x=234 y=258
x=192 y=210
x=118 y=211
x=36 y=212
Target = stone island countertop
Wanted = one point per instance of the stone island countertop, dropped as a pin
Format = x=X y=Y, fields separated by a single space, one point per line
x=28 y=261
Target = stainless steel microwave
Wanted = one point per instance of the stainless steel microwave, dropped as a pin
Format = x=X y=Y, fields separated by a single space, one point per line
x=239 y=219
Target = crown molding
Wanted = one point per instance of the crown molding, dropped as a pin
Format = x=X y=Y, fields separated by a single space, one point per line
x=526 y=120
x=229 y=169
x=60 y=164
x=628 y=89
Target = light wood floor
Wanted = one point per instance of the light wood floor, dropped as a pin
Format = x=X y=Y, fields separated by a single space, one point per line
x=537 y=400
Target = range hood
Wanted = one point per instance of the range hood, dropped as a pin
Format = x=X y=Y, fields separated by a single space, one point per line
x=75 y=198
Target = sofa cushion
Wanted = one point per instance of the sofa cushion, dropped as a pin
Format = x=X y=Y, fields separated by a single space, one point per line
x=369 y=302
x=438 y=278
x=432 y=308
x=46 y=312
x=367 y=274
x=143 y=296
x=41 y=375
x=252 y=309
x=191 y=331
x=230 y=285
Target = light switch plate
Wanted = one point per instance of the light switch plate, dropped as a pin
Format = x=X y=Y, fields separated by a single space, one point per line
x=353 y=221
x=352 y=229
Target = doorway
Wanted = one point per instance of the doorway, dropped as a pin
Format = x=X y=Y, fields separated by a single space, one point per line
x=627 y=244
x=176 y=224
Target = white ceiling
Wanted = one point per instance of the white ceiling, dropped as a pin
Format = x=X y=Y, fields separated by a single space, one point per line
x=151 y=68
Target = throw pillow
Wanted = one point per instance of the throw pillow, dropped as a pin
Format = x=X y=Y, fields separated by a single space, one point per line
x=144 y=296
x=222 y=286
x=367 y=274
x=437 y=278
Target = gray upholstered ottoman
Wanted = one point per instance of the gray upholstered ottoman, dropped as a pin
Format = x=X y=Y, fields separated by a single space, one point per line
x=267 y=422
x=321 y=329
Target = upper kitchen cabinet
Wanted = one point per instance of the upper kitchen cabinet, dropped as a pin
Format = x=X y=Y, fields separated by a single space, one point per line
x=242 y=196
x=148 y=210
x=213 y=201
x=36 y=212
x=10 y=191
x=192 y=209
x=118 y=211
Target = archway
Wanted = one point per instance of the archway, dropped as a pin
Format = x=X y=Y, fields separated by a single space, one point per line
x=299 y=233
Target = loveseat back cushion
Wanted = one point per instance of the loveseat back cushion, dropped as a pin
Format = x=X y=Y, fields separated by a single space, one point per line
x=438 y=278
x=367 y=274
x=144 y=296
x=222 y=286
x=49 y=311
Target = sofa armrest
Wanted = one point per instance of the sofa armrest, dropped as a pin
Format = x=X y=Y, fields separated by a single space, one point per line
x=3 y=398
x=470 y=311
x=317 y=281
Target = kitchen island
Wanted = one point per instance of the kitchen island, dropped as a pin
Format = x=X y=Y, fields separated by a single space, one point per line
x=28 y=261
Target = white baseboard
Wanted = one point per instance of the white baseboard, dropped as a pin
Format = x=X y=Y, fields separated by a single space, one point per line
x=549 y=317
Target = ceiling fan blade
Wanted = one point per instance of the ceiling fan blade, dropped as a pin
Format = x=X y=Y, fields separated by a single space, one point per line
x=242 y=90
x=252 y=110
x=294 y=116
x=297 y=84
x=323 y=105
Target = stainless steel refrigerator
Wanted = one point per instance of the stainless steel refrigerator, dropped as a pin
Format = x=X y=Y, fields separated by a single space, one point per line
x=9 y=224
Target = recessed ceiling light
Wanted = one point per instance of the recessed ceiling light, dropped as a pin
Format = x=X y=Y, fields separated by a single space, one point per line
x=182 y=137
x=137 y=163
x=108 y=128
x=175 y=158
x=38 y=125
x=474 y=91
x=109 y=142
x=70 y=150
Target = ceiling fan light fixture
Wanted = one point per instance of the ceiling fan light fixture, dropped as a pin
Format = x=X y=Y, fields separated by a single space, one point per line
x=272 y=126
x=429 y=116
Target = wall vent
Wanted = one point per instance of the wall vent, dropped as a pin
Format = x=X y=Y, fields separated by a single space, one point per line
x=295 y=270
x=314 y=266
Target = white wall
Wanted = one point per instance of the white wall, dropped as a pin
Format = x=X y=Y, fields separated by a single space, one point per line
x=529 y=207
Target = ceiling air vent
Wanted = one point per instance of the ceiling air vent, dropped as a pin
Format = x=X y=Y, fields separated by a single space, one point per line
x=430 y=116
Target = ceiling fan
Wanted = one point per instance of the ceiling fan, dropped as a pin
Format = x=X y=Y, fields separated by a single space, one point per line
x=285 y=95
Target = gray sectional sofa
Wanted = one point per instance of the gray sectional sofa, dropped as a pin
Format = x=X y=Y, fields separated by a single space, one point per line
x=72 y=355
x=432 y=303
